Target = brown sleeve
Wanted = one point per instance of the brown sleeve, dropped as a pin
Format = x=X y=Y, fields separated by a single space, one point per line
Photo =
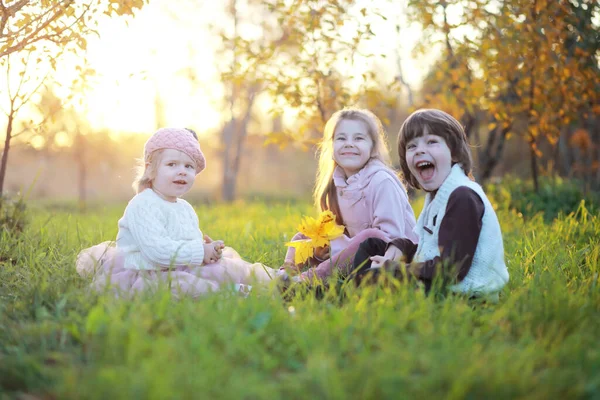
x=406 y=246
x=457 y=237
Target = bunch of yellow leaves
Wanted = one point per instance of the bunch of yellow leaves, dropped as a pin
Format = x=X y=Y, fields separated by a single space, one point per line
x=319 y=231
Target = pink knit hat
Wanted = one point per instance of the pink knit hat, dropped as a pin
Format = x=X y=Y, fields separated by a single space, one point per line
x=177 y=139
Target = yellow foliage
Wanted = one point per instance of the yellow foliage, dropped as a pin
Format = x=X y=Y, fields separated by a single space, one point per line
x=304 y=250
x=279 y=139
x=320 y=232
x=42 y=22
x=581 y=139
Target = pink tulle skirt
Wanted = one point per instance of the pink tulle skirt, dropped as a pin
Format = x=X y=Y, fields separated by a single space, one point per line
x=104 y=263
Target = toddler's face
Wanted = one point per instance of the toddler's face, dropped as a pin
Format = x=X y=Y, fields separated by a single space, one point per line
x=175 y=174
x=352 y=146
x=429 y=160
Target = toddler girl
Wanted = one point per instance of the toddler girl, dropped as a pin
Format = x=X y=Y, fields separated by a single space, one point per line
x=159 y=239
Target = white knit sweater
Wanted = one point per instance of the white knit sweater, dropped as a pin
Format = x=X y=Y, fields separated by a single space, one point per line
x=488 y=273
x=155 y=233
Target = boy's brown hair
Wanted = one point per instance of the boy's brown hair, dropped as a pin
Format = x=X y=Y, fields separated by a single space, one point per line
x=439 y=123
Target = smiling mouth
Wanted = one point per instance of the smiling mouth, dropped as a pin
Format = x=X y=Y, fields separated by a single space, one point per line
x=180 y=182
x=426 y=170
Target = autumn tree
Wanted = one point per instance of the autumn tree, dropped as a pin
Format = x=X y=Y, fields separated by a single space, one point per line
x=296 y=55
x=18 y=95
x=59 y=120
x=509 y=67
x=33 y=37
x=313 y=71
x=26 y=23
x=243 y=56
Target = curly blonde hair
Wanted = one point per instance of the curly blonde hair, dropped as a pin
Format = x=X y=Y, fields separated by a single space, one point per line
x=146 y=171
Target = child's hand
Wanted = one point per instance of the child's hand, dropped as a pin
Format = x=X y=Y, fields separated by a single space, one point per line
x=210 y=253
x=393 y=254
x=322 y=253
x=207 y=239
x=218 y=245
x=282 y=279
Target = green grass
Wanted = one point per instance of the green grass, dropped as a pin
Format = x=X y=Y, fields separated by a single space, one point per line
x=58 y=340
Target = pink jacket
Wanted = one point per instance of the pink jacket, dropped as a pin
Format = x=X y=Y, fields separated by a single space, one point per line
x=373 y=198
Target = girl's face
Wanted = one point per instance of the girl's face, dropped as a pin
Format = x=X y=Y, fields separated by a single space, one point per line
x=352 y=146
x=429 y=160
x=175 y=174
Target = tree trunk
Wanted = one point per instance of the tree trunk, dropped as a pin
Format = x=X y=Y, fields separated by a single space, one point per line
x=233 y=168
x=228 y=136
x=490 y=156
x=563 y=159
x=227 y=140
x=242 y=132
x=400 y=76
x=596 y=164
x=532 y=137
x=5 y=151
x=234 y=138
x=80 y=158
x=534 y=166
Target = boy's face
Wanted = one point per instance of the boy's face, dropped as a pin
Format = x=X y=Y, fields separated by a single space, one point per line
x=429 y=160
x=175 y=174
x=352 y=146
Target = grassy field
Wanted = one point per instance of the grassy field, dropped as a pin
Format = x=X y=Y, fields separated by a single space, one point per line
x=58 y=340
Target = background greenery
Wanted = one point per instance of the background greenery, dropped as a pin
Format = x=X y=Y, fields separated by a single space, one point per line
x=59 y=340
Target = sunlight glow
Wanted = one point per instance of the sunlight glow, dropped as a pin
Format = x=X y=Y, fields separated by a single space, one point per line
x=161 y=68
x=141 y=70
x=37 y=142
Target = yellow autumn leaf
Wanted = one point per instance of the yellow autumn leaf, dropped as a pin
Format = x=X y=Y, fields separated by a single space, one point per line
x=322 y=229
x=319 y=231
x=329 y=228
x=304 y=250
x=309 y=227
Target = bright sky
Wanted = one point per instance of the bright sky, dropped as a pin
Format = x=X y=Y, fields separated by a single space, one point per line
x=151 y=57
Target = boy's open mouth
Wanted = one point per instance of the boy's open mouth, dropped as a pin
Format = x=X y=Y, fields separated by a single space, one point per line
x=180 y=182
x=426 y=170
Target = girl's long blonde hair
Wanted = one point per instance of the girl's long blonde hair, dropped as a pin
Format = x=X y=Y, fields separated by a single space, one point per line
x=325 y=195
x=146 y=171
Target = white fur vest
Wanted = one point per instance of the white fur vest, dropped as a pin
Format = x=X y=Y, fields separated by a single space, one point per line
x=488 y=273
